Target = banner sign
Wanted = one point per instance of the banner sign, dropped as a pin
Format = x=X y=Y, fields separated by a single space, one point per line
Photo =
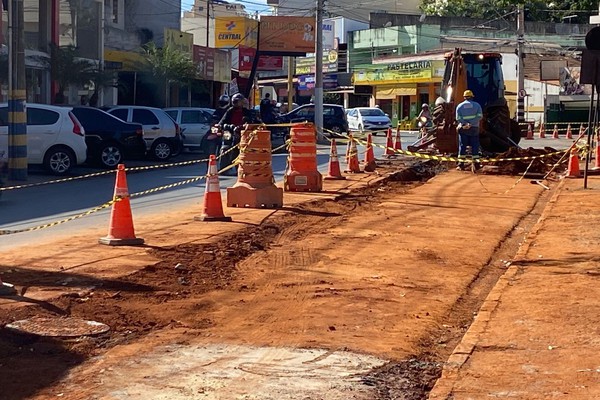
x=306 y=65
x=204 y=58
x=287 y=35
x=231 y=32
x=181 y=41
x=409 y=72
x=270 y=63
x=307 y=82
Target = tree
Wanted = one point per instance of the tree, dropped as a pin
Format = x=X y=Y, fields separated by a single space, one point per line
x=167 y=66
x=535 y=10
x=67 y=69
x=101 y=78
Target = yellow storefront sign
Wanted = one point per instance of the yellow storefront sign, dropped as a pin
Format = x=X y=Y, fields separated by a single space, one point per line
x=231 y=32
x=413 y=72
x=122 y=60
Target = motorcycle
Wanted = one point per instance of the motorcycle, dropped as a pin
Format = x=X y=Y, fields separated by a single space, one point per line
x=228 y=152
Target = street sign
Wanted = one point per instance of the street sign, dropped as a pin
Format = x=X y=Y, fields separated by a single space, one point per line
x=522 y=93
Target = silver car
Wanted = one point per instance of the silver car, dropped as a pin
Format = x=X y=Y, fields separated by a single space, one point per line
x=195 y=123
x=161 y=133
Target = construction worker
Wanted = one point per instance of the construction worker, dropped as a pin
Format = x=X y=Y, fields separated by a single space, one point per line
x=468 y=115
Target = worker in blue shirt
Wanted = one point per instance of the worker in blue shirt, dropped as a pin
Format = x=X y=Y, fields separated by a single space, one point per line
x=468 y=115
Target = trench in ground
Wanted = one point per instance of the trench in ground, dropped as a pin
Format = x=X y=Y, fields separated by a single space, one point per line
x=211 y=267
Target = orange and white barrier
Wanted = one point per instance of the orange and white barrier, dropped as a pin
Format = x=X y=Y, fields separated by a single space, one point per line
x=334 y=172
x=255 y=187
x=120 y=229
x=212 y=209
x=302 y=174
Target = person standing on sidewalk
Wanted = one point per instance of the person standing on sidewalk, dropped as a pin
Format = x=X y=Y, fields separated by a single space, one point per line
x=468 y=115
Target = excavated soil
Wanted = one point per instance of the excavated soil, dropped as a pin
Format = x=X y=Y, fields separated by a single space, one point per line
x=241 y=265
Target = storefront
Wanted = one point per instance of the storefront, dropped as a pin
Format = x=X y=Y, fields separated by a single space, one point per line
x=401 y=85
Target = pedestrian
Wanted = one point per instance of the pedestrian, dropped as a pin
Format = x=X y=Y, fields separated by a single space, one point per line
x=468 y=115
x=267 y=112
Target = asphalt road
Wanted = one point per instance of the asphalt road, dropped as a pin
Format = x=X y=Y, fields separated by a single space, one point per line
x=31 y=207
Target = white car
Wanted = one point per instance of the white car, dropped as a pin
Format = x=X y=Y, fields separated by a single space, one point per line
x=365 y=119
x=161 y=133
x=55 y=138
x=195 y=123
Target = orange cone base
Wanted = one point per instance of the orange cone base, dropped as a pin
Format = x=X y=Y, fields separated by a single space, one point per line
x=334 y=178
x=296 y=181
x=371 y=166
x=6 y=289
x=208 y=218
x=111 y=241
x=243 y=195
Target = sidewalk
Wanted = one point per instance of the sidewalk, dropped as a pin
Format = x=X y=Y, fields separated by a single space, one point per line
x=536 y=335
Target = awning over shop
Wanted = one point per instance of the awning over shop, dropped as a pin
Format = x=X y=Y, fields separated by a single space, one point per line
x=390 y=92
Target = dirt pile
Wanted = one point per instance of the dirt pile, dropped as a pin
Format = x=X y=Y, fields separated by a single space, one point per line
x=540 y=165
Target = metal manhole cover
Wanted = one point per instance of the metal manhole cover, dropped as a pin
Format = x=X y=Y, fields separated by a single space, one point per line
x=58 y=327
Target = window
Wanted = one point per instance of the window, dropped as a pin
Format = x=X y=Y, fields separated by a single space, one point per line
x=328 y=111
x=37 y=116
x=93 y=120
x=172 y=114
x=4 y=116
x=306 y=112
x=144 y=117
x=120 y=113
x=114 y=12
x=193 y=117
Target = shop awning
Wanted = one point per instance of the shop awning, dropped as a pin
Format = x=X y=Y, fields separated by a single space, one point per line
x=383 y=93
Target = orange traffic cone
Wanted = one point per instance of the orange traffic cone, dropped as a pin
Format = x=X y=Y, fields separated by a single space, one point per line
x=542 y=130
x=530 y=132
x=573 y=170
x=398 y=141
x=353 y=164
x=213 y=206
x=334 y=172
x=369 y=161
x=597 y=159
x=120 y=229
x=6 y=289
x=581 y=130
x=569 y=132
x=555 y=132
x=389 y=144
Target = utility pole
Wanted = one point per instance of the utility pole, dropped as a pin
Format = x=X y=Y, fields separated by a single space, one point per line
x=290 y=85
x=17 y=114
x=521 y=79
x=319 y=71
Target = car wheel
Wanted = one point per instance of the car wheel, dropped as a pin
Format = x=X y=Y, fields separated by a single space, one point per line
x=161 y=150
x=337 y=130
x=177 y=147
x=59 y=160
x=110 y=156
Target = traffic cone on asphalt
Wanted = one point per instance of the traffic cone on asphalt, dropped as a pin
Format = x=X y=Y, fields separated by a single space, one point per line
x=6 y=289
x=398 y=141
x=542 y=133
x=555 y=132
x=120 y=229
x=389 y=144
x=369 y=161
x=213 y=206
x=353 y=164
x=529 y=132
x=573 y=170
x=569 y=132
x=581 y=130
x=334 y=172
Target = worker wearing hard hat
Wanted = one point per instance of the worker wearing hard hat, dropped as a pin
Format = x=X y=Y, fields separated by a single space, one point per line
x=468 y=115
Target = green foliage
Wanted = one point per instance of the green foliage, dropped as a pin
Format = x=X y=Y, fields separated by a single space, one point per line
x=66 y=68
x=535 y=10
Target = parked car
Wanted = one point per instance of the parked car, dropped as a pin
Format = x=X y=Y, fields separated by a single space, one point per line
x=55 y=137
x=109 y=140
x=334 y=117
x=195 y=123
x=365 y=119
x=161 y=134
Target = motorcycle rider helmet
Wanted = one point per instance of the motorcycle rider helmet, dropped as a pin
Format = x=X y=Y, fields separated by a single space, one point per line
x=425 y=105
x=237 y=97
x=223 y=101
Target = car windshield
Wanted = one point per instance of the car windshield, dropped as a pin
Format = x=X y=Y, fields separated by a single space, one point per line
x=372 y=112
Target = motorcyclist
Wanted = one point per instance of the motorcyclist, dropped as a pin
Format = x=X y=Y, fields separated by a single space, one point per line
x=212 y=139
x=231 y=125
x=424 y=119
